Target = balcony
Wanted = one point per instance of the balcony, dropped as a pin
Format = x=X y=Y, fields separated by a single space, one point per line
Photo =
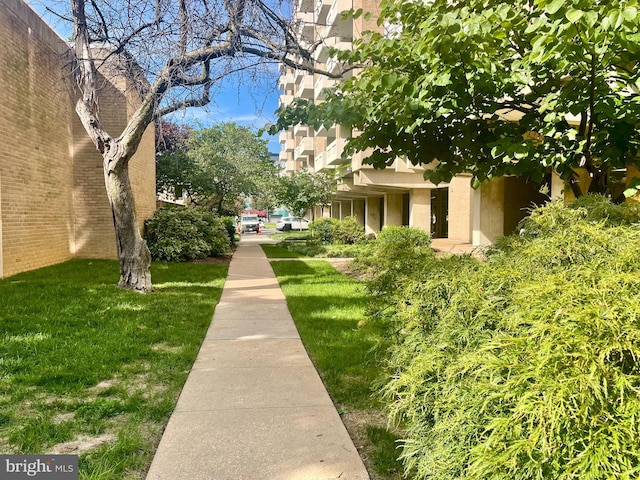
x=321 y=53
x=306 y=5
x=321 y=11
x=320 y=163
x=304 y=87
x=326 y=132
x=333 y=65
x=301 y=163
x=286 y=142
x=333 y=154
x=307 y=26
x=285 y=100
x=304 y=148
x=285 y=80
x=339 y=27
x=321 y=83
x=300 y=130
x=402 y=165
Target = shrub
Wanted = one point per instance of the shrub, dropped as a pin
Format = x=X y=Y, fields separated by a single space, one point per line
x=525 y=366
x=330 y=230
x=598 y=208
x=322 y=229
x=348 y=231
x=228 y=223
x=182 y=234
x=397 y=255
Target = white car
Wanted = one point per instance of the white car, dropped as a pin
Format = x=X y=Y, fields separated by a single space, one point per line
x=249 y=223
x=292 y=223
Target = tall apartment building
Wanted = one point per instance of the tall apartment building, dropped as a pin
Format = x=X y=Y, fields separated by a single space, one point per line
x=397 y=195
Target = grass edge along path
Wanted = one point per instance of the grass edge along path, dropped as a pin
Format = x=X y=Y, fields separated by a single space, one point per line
x=90 y=369
x=328 y=310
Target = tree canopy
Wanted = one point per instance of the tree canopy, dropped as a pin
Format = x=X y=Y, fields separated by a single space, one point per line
x=493 y=88
x=218 y=167
x=302 y=191
x=170 y=136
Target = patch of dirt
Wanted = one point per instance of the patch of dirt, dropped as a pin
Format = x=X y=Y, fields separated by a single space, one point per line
x=163 y=347
x=356 y=424
x=62 y=417
x=81 y=444
x=213 y=260
x=5 y=446
x=345 y=267
x=103 y=385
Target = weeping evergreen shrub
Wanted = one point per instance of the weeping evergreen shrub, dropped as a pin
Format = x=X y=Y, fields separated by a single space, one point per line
x=525 y=366
x=398 y=255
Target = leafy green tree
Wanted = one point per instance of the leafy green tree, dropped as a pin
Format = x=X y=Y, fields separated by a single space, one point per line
x=301 y=191
x=224 y=164
x=494 y=88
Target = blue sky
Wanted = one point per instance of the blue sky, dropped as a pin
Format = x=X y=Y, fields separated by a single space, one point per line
x=233 y=102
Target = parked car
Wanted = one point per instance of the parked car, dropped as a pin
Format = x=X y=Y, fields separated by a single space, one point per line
x=249 y=223
x=292 y=223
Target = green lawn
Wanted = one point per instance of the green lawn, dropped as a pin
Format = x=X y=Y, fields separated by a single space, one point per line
x=275 y=251
x=329 y=311
x=90 y=369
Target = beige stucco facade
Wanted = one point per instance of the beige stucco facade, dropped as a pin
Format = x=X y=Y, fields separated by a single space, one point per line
x=53 y=204
x=398 y=194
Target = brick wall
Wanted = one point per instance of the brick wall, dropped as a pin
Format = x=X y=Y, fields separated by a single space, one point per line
x=35 y=164
x=95 y=237
x=53 y=204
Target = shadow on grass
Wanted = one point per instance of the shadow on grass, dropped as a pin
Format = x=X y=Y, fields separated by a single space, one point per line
x=329 y=311
x=81 y=358
x=274 y=251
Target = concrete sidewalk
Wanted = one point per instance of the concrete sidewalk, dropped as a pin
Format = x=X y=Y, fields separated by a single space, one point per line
x=253 y=406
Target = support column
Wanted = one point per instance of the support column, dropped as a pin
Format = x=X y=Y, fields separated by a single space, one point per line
x=460 y=208
x=335 y=210
x=372 y=224
x=557 y=186
x=345 y=209
x=393 y=209
x=358 y=209
x=488 y=212
x=420 y=209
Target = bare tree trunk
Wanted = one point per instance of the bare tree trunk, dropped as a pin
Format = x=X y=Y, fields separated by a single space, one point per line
x=133 y=253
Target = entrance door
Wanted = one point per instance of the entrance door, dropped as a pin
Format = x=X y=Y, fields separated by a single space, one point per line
x=440 y=213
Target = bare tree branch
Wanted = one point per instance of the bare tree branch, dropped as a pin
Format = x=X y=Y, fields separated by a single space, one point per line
x=173 y=52
x=103 y=23
x=85 y=73
x=184 y=23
